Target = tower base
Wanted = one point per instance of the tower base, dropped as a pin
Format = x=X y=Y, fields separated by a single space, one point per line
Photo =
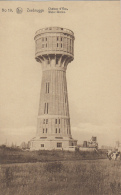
x=50 y=143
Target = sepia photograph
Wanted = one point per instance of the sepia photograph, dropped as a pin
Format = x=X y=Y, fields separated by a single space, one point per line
x=60 y=98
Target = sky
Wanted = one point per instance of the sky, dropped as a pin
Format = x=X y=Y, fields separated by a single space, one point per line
x=93 y=77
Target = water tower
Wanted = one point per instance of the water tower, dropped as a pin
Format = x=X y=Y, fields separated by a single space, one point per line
x=54 y=50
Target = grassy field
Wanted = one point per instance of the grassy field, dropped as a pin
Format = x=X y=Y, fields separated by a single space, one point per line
x=58 y=173
x=15 y=155
x=79 y=177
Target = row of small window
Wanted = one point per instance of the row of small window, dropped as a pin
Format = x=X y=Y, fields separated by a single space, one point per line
x=45 y=45
x=45 y=121
x=56 y=130
x=57 y=121
x=45 y=130
x=68 y=49
x=58 y=38
x=52 y=41
x=59 y=145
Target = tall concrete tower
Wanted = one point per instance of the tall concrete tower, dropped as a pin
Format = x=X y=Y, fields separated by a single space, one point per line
x=54 y=49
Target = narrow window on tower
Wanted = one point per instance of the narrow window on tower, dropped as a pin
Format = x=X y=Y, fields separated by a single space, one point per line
x=55 y=121
x=57 y=44
x=67 y=131
x=46 y=130
x=59 y=121
x=59 y=130
x=46 y=121
x=45 y=109
x=48 y=87
x=43 y=130
x=43 y=121
x=56 y=130
x=61 y=44
x=57 y=38
x=46 y=38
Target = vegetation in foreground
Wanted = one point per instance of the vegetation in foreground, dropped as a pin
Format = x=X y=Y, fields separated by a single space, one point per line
x=87 y=177
x=10 y=155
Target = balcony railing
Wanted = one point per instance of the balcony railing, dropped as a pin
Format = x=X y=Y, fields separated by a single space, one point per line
x=54 y=29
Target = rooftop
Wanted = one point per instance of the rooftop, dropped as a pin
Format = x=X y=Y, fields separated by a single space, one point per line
x=54 y=29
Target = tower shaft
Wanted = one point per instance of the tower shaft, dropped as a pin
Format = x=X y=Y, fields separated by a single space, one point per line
x=53 y=114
